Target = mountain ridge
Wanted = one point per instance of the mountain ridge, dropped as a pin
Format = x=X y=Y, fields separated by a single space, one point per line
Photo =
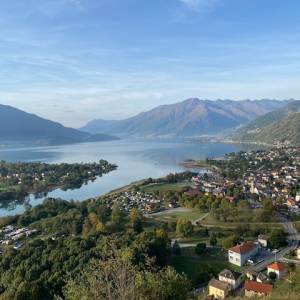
x=19 y=126
x=279 y=126
x=191 y=117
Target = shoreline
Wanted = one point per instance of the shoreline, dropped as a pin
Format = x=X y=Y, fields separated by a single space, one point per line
x=195 y=164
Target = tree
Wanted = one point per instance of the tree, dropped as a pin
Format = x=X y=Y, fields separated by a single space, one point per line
x=86 y=228
x=265 y=214
x=176 y=250
x=110 y=278
x=117 y=217
x=230 y=241
x=136 y=222
x=97 y=225
x=200 y=248
x=278 y=238
x=213 y=240
x=184 y=227
x=116 y=277
x=273 y=276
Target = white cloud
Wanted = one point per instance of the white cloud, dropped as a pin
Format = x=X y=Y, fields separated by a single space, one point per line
x=200 y=4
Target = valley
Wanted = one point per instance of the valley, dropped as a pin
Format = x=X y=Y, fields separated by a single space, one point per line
x=185 y=221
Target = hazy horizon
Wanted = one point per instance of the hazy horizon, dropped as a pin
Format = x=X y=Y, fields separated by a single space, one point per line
x=73 y=61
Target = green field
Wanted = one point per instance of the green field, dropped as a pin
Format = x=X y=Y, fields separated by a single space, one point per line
x=211 y=221
x=197 y=268
x=173 y=215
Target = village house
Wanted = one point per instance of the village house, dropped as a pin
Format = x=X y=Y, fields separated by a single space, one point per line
x=193 y=193
x=231 y=277
x=278 y=268
x=263 y=240
x=239 y=254
x=254 y=289
x=218 y=289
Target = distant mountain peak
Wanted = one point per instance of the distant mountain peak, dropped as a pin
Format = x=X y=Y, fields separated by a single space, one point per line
x=189 y=118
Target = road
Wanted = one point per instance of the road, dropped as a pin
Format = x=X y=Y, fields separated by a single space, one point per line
x=279 y=256
x=196 y=222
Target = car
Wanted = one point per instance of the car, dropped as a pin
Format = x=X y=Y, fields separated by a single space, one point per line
x=275 y=251
x=250 y=261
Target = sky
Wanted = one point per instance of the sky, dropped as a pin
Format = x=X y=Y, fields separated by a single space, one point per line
x=76 y=60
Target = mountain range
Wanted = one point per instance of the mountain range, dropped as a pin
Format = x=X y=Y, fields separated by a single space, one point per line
x=17 y=126
x=190 y=118
x=279 y=126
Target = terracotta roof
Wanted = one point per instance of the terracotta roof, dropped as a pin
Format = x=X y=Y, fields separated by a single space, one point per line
x=277 y=266
x=244 y=248
x=258 y=287
x=224 y=286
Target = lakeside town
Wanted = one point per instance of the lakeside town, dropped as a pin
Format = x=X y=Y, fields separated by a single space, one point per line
x=238 y=217
x=253 y=176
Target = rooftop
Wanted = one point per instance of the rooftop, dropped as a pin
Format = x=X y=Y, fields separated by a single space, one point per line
x=278 y=266
x=224 y=286
x=244 y=248
x=258 y=287
x=230 y=274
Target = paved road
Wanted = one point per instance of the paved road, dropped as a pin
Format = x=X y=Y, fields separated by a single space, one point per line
x=294 y=241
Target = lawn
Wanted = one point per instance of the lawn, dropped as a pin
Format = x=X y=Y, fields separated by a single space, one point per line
x=211 y=221
x=201 y=268
x=175 y=214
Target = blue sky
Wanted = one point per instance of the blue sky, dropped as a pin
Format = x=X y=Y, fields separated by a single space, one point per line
x=76 y=60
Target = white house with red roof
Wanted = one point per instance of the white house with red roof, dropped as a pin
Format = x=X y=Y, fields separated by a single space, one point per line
x=239 y=254
x=278 y=268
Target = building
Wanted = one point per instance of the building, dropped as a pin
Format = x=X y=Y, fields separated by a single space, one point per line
x=253 y=289
x=278 y=268
x=262 y=278
x=251 y=275
x=263 y=240
x=239 y=254
x=193 y=193
x=231 y=277
x=218 y=289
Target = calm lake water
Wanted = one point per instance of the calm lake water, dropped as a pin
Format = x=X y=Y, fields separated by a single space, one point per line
x=135 y=159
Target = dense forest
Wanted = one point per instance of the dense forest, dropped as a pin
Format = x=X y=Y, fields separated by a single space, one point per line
x=89 y=250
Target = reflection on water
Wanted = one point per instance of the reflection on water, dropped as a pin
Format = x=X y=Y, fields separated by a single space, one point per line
x=135 y=159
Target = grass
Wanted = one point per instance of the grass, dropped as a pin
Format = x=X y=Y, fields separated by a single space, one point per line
x=164 y=187
x=190 y=214
x=211 y=263
x=211 y=221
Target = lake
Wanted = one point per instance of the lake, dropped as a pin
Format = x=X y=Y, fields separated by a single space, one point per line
x=135 y=159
